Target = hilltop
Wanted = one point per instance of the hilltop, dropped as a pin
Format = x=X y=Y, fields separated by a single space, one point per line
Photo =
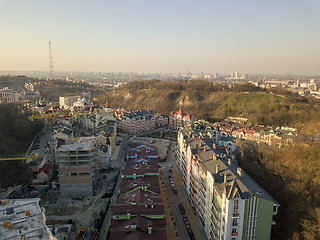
x=49 y=89
x=273 y=107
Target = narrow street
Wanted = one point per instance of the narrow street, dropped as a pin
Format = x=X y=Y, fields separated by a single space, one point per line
x=180 y=197
x=117 y=163
x=173 y=198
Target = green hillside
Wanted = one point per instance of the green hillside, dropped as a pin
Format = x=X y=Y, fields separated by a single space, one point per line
x=16 y=134
x=274 y=107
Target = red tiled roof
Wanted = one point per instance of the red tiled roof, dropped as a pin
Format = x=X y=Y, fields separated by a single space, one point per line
x=139 y=209
x=46 y=169
x=121 y=229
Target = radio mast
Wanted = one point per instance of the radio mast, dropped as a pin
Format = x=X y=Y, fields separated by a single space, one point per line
x=51 y=66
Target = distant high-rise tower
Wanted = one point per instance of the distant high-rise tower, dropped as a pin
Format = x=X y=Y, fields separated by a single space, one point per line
x=51 y=66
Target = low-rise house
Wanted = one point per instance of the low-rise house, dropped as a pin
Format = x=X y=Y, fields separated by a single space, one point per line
x=45 y=173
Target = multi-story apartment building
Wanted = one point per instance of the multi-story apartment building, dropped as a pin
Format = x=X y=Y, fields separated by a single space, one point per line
x=134 y=122
x=180 y=119
x=23 y=219
x=162 y=120
x=228 y=202
x=78 y=165
x=66 y=102
x=8 y=95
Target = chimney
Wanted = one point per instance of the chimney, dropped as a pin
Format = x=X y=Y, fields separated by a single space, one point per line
x=199 y=150
x=149 y=229
x=214 y=146
x=133 y=200
x=217 y=169
x=239 y=171
x=229 y=161
x=5 y=224
x=10 y=226
x=225 y=178
x=145 y=203
x=204 y=149
x=152 y=204
x=27 y=212
x=133 y=226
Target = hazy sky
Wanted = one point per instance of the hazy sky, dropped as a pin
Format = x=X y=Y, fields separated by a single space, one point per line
x=253 y=36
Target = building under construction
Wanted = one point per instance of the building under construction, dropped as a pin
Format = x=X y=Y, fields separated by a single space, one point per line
x=78 y=165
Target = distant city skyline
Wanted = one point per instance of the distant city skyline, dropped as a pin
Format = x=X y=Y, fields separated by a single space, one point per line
x=255 y=37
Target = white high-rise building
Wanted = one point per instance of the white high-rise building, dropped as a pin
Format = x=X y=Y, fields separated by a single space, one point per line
x=229 y=203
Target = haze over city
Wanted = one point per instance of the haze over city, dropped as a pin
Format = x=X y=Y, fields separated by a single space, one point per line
x=267 y=37
x=160 y=120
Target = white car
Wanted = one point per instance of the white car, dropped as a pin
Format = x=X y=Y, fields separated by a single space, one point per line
x=170 y=166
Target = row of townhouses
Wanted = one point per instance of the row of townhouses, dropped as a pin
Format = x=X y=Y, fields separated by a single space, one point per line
x=228 y=202
x=260 y=134
x=139 y=211
x=134 y=122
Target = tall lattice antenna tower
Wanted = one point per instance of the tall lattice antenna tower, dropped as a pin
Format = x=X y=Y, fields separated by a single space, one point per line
x=51 y=66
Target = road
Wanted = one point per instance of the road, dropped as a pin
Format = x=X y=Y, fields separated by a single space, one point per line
x=173 y=198
x=43 y=138
x=117 y=163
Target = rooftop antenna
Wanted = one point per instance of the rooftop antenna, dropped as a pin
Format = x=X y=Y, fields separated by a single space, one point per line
x=51 y=66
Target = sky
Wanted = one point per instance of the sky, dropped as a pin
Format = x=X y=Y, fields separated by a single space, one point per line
x=168 y=36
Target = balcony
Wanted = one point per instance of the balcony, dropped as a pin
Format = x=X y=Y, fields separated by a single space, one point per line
x=215 y=215
x=216 y=206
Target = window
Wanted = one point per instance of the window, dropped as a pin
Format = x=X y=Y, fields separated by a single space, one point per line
x=236 y=208
x=234 y=232
x=235 y=222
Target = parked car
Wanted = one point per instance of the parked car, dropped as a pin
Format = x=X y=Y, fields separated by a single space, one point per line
x=174 y=190
x=170 y=166
x=181 y=208
x=190 y=233
x=184 y=218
